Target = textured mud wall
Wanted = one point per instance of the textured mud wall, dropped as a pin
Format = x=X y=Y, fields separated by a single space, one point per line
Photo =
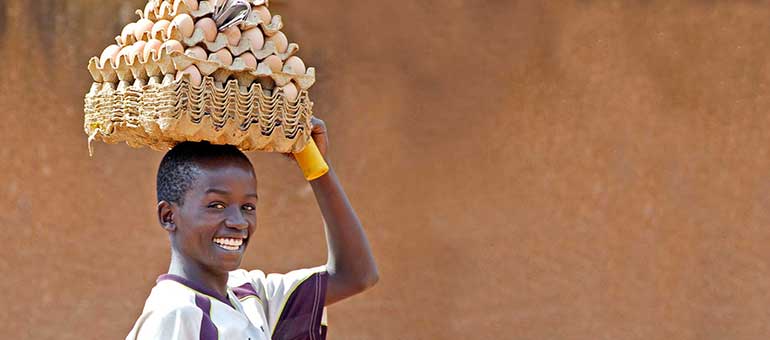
x=586 y=170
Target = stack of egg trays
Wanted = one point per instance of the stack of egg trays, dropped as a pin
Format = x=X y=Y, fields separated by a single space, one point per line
x=143 y=105
x=161 y=115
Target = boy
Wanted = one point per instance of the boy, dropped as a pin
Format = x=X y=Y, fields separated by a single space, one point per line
x=207 y=203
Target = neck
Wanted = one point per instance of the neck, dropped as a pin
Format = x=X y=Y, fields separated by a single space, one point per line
x=194 y=272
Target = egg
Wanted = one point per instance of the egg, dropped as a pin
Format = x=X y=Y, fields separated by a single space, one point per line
x=142 y=26
x=256 y=38
x=191 y=4
x=280 y=41
x=171 y=46
x=223 y=56
x=209 y=28
x=151 y=45
x=249 y=59
x=160 y=26
x=274 y=63
x=195 y=75
x=128 y=31
x=109 y=54
x=264 y=14
x=126 y=51
x=233 y=34
x=138 y=50
x=149 y=8
x=196 y=52
x=294 y=65
x=184 y=22
x=290 y=91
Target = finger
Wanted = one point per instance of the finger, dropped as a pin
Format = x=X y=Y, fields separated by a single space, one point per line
x=318 y=125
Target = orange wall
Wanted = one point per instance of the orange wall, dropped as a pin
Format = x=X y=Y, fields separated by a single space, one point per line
x=586 y=170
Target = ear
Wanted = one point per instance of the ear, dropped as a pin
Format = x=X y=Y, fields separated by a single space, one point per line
x=166 y=216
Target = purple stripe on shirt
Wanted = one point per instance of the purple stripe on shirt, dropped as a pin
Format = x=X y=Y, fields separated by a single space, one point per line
x=245 y=290
x=301 y=316
x=196 y=286
x=208 y=330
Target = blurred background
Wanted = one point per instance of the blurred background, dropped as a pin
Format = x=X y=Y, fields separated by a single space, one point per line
x=524 y=170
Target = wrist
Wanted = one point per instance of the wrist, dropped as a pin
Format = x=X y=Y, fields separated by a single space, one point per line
x=311 y=161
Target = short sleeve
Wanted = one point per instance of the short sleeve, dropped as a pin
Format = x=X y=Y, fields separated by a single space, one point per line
x=183 y=323
x=295 y=302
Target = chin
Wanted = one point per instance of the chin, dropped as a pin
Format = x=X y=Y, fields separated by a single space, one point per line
x=228 y=265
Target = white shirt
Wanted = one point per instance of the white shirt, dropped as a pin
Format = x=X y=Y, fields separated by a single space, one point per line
x=257 y=307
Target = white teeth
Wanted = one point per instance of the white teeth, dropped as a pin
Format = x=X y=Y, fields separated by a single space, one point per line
x=227 y=247
x=229 y=243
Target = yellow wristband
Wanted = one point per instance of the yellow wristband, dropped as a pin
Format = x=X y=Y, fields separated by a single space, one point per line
x=311 y=162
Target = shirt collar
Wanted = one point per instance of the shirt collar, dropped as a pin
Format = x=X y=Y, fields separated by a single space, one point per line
x=196 y=286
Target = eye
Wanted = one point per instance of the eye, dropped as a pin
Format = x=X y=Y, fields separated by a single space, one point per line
x=249 y=207
x=217 y=205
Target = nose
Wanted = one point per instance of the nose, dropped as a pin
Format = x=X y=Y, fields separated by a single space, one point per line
x=236 y=220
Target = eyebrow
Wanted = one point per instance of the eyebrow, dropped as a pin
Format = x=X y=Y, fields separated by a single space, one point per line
x=225 y=192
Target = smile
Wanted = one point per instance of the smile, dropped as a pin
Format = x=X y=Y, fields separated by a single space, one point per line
x=230 y=244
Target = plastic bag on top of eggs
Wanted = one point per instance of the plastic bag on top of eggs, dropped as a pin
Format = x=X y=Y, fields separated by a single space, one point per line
x=174 y=39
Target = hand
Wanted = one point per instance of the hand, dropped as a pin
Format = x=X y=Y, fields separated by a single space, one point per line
x=318 y=133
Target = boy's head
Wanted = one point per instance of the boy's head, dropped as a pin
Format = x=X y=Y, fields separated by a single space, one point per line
x=182 y=165
x=207 y=202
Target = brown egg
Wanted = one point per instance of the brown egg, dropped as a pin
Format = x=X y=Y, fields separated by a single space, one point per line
x=274 y=62
x=264 y=14
x=152 y=45
x=126 y=51
x=138 y=50
x=280 y=41
x=191 y=4
x=109 y=54
x=196 y=52
x=256 y=38
x=184 y=22
x=171 y=46
x=249 y=59
x=142 y=26
x=294 y=65
x=291 y=92
x=195 y=75
x=209 y=28
x=223 y=56
x=128 y=30
x=160 y=26
x=150 y=8
x=233 y=34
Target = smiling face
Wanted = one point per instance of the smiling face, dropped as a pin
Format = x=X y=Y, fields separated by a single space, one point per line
x=213 y=225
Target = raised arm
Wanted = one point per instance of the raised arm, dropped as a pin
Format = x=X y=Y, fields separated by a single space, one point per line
x=350 y=265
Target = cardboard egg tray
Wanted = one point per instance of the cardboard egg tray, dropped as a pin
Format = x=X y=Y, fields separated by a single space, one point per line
x=269 y=29
x=157 y=9
x=142 y=103
x=161 y=114
x=168 y=62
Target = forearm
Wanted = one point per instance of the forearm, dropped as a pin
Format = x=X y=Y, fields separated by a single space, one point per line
x=350 y=264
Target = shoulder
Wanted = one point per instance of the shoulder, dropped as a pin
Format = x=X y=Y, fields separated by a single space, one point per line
x=241 y=276
x=169 y=305
x=258 y=278
x=169 y=294
x=179 y=322
x=172 y=313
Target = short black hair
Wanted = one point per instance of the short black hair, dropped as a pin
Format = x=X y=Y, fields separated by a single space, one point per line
x=181 y=166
